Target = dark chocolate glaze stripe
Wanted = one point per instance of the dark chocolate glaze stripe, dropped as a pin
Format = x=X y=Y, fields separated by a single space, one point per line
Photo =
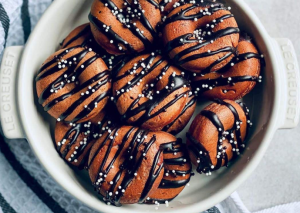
x=133 y=168
x=166 y=184
x=181 y=15
x=89 y=108
x=218 y=124
x=149 y=106
x=45 y=66
x=153 y=2
x=186 y=107
x=222 y=81
x=175 y=161
x=152 y=177
x=196 y=147
x=143 y=18
x=109 y=33
x=78 y=89
x=176 y=148
x=84 y=31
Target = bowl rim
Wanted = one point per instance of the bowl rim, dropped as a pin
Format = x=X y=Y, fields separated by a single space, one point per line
x=203 y=204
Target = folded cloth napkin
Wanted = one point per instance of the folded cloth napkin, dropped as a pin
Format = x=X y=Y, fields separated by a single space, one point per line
x=24 y=184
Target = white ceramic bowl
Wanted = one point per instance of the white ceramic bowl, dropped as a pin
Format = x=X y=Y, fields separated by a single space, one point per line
x=274 y=104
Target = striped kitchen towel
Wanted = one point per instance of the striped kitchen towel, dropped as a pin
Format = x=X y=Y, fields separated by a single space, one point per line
x=24 y=184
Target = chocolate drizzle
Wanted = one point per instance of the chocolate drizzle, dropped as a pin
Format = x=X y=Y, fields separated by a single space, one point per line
x=87 y=132
x=232 y=135
x=166 y=184
x=110 y=33
x=70 y=75
x=189 y=104
x=201 y=37
x=71 y=137
x=85 y=32
x=114 y=62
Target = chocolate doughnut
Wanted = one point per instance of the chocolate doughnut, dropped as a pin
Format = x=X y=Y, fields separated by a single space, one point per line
x=73 y=85
x=149 y=92
x=74 y=141
x=178 y=171
x=122 y=26
x=201 y=37
x=236 y=79
x=217 y=135
x=126 y=164
x=82 y=36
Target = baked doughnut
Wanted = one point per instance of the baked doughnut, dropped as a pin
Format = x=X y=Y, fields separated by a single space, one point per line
x=122 y=26
x=82 y=36
x=149 y=92
x=200 y=37
x=73 y=85
x=178 y=170
x=178 y=124
x=217 y=134
x=126 y=164
x=236 y=79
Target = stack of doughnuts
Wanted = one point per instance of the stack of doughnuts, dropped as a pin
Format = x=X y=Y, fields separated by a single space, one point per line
x=121 y=86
